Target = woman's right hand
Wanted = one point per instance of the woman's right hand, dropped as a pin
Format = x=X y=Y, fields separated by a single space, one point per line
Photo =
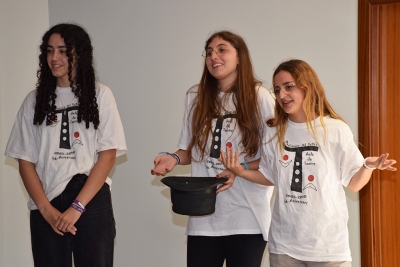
x=230 y=159
x=51 y=214
x=163 y=164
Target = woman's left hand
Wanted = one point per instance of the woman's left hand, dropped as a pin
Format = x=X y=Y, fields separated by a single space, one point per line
x=231 y=178
x=67 y=220
x=382 y=162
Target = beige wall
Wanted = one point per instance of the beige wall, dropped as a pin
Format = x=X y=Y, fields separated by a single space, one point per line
x=21 y=24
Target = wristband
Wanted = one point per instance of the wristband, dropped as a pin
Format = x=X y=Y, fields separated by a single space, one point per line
x=366 y=166
x=246 y=166
x=174 y=155
x=78 y=206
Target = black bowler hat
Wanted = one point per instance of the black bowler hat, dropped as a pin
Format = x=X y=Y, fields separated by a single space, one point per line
x=193 y=196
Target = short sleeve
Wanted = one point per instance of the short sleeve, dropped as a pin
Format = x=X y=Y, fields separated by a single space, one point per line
x=110 y=134
x=186 y=131
x=22 y=143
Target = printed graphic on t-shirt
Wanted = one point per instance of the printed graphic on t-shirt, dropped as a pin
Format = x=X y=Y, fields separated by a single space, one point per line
x=299 y=157
x=69 y=115
x=223 y=125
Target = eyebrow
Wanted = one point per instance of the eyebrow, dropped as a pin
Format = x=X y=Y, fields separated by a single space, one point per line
x=217 y=46
x=287 y=83
x=61 y=46
x=283 y=84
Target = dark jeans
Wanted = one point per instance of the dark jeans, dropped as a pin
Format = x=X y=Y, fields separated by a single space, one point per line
x=237 y=250
x=93 y=244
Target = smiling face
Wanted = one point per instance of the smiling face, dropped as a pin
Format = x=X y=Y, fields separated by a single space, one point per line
x=291 y=98
x=57 y=60
x=222 y=67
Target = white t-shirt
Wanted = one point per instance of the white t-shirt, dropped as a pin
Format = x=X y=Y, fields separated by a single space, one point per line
x=245 y=207
x=66 y=147
x=309 y=220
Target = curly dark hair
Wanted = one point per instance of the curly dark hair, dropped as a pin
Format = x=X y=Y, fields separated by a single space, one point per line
x=83 y=84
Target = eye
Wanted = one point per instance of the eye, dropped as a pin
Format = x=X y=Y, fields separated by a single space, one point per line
x=49 y=51
x=222 y=49
x=276 y=90
x=208 y=52
x=62 y=51
x=289 y=87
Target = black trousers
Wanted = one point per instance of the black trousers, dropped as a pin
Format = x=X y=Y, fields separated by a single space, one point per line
x=237 y=250
x=93 y=244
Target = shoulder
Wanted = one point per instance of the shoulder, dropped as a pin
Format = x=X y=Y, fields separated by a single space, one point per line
x=261 y=90
x=264 y=94
x=102 y=89
x=104 y=95
x=193 y=90
x=270 y=131
x=338 y=127
x=192 y=93
x=29 y=101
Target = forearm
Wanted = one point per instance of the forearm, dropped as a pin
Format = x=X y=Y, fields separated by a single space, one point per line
x=360 y=179
x=254 y=176
x=253 y=165
x=363 y=175
x=98 y=176
x=33 y=184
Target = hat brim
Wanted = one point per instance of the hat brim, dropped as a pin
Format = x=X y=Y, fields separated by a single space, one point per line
x=189 y=183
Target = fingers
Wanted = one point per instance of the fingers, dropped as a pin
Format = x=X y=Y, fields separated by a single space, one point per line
x=227 y=184
x=224 y=174
x=223 y=188
x=162 y=165
x=383 y=163
x=57 y=231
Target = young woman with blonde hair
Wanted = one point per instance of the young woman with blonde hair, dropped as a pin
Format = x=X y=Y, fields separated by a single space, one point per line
x=309 y=154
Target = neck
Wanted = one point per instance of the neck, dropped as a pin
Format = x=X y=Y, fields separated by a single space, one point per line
x=225 y=86
x=298 y=118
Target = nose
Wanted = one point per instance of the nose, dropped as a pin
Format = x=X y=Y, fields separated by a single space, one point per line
x=55 y=56
x=282 y=91
x=214 y=54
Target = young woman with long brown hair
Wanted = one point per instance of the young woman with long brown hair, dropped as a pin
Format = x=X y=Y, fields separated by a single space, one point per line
x=229 y=107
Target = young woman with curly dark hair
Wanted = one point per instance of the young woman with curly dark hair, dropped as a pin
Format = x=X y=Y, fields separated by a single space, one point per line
x=66 y=137
x=229 y=107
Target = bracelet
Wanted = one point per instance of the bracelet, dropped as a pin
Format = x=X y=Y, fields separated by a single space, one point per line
x=366 y=166
x=176 y=157
x=78 y=206
x=246 y=166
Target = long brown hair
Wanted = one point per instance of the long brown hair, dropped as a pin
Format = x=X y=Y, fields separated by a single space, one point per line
x=315 y=102
x=207 y=103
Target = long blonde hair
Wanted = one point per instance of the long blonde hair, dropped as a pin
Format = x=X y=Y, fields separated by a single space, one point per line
x=315 y=102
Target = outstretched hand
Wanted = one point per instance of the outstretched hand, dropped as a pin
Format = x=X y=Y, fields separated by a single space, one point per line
x=382 y=162
x=163 y=164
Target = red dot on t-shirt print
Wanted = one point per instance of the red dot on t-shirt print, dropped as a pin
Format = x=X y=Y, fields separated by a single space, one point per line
x=76 y=134
x=286 y=157
x=229 y=145
x=311 y=178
